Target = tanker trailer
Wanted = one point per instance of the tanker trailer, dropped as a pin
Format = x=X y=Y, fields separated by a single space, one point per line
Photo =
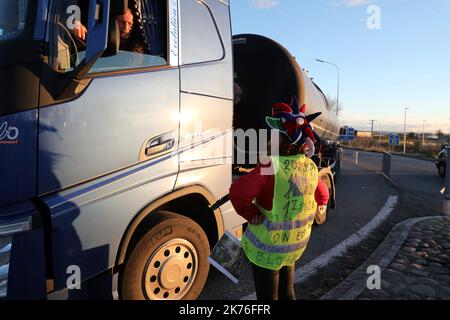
x=265 y=73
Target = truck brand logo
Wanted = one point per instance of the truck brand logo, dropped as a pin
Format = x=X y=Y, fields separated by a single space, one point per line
x=8 y=134
x=161 y=234
x=173 y=32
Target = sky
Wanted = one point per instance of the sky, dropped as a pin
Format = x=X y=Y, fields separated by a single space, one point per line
x=391 y=54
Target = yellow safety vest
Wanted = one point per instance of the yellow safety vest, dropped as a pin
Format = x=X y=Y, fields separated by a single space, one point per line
x=282 y=238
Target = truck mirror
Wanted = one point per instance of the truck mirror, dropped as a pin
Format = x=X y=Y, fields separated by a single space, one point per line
x=113 y=40
x=117 y=8
x=97 y=40
x=102 y=40
x=98 y=24
x=97 y=43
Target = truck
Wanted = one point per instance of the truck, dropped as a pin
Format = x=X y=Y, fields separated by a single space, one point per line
x=112 y=160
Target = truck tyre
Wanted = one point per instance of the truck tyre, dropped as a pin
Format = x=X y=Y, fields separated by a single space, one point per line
x=322 y=212
x=338 y=168
x=169 y=262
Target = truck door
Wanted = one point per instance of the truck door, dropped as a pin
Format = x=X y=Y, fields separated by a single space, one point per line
x=117 y=130
x=206 y=94
x=206 y=72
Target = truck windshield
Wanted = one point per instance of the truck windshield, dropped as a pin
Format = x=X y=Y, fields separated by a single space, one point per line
x=12 y=18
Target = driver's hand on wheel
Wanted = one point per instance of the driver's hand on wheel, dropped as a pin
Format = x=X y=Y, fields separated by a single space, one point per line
x=80 y=31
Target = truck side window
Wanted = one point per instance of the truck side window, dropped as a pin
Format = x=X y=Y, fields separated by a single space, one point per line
x=201 y=40
x=13 y=16
x=143 y=41
x=68 y=34
x=140 y=46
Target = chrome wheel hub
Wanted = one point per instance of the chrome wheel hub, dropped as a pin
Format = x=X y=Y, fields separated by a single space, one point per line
x=170 y=271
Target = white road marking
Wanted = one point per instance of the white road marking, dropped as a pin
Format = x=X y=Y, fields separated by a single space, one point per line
x=303 y=273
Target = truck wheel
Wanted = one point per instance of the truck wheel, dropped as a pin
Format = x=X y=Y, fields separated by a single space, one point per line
x=322 y=211
x=169 y=262
x=441 y=170
x=338 y=169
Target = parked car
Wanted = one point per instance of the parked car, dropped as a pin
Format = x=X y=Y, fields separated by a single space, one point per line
x=441 y=160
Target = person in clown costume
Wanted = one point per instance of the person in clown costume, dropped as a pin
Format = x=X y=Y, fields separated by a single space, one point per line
x=279 y=199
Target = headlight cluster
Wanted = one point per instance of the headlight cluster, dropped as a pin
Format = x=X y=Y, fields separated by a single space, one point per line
x=5 y=251
x=7 y=230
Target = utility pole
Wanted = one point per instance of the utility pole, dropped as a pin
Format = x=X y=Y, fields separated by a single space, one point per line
x=338 y=81
x=380 y=137
x=423 y=133
x=404 y=133
x=372 y=130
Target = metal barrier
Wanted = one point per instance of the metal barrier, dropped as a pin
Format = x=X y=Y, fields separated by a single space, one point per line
x=387 y=159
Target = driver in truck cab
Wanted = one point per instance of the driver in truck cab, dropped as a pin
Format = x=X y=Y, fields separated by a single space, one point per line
x=279 y=199
x=125 y=23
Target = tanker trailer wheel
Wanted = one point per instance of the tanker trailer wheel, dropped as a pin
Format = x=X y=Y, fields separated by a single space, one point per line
x=339 y=160
x=322 y=211
x=169 y=262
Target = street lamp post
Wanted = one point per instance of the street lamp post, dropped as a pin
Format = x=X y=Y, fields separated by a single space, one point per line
x=404 y=132
x=338 y=82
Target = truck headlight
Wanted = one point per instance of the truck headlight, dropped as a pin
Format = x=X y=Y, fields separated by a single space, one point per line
x=6 y=233
x=5 y=251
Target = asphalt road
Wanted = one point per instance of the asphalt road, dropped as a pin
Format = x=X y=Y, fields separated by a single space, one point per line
x=416 y=177
x=418 y=182
x=417 y=185
x=361 y=193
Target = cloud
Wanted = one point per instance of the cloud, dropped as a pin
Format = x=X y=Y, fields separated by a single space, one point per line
x=264 y=4
x=356 y=3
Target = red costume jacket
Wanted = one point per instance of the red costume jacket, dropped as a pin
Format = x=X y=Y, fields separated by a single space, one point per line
x=254 y=185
